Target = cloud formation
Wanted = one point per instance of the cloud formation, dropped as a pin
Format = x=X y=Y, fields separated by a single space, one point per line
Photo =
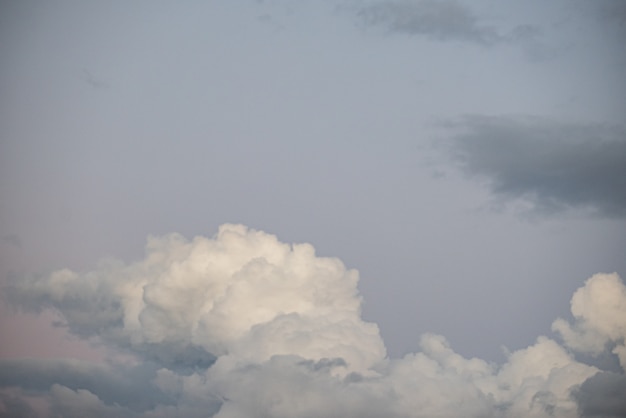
x=243 y=293
x=12 y=406
x=602 y=395
x=552 y=165
x=242 y=325
x=446 y=20
x=438 y=20
x=599 y=309
x=128 y=387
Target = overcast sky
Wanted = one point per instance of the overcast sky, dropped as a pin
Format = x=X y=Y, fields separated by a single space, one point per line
x=468 y=159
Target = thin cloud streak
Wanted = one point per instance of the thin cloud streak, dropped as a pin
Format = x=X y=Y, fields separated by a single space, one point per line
x=446 y=20
x=439 y=20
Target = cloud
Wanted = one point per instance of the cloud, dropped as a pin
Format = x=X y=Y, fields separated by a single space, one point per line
x=129 y=387
x=602 y=396
x=447 y=20
x=439 y=20
x=80 y=403
x=12 y=406
x=243 y=325
x=12 y=239
x=599 y=310
x=93 y=81
x=553 y=166
x=607 y=11
x=243 y=292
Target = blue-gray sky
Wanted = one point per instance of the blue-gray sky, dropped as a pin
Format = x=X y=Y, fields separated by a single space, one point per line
x=467 y=158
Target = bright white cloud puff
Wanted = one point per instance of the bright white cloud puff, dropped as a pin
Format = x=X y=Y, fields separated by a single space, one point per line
x=243 y=325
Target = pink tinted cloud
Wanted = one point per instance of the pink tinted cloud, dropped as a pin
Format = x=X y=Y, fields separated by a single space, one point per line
x=30 y=336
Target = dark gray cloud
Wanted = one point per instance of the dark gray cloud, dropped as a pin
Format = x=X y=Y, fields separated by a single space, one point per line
x=12 y=406
x=440 y=20
x=602 y=396
x=609 y=11
x=554 y=166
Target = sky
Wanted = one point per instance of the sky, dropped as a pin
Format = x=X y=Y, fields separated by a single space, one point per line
x=397 y=208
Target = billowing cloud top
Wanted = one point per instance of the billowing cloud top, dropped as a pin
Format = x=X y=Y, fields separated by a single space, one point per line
x=242 y=325
x=242 y=293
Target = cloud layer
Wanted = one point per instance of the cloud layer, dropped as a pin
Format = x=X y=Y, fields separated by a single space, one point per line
x=552 y=165
x=242 y=325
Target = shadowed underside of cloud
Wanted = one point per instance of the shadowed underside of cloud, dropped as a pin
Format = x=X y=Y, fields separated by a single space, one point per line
x=552 y=165
x=12 y=406
x=242 y=325
x=602 y=396
x=128 y=387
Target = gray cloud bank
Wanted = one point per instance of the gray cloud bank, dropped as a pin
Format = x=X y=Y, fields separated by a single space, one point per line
x=127 y=387
x=554 y=166
x=243 y=325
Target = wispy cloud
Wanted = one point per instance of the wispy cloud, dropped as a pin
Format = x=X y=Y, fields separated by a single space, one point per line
x=13 y=240
x=283 y=327
x=440 y=20
x=609 y=11
x=443 y=20
x=93 y=81
x=554 y=166
x=452 y=21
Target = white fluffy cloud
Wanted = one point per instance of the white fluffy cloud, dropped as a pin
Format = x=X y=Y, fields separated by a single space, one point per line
x=599 y=309
x=243 y=293
x=242 y=325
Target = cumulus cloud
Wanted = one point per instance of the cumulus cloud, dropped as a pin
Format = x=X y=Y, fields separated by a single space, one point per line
x=81 y=403
x=599 y=310
x=243 y=325
x=553 y=166
x=242 y=293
